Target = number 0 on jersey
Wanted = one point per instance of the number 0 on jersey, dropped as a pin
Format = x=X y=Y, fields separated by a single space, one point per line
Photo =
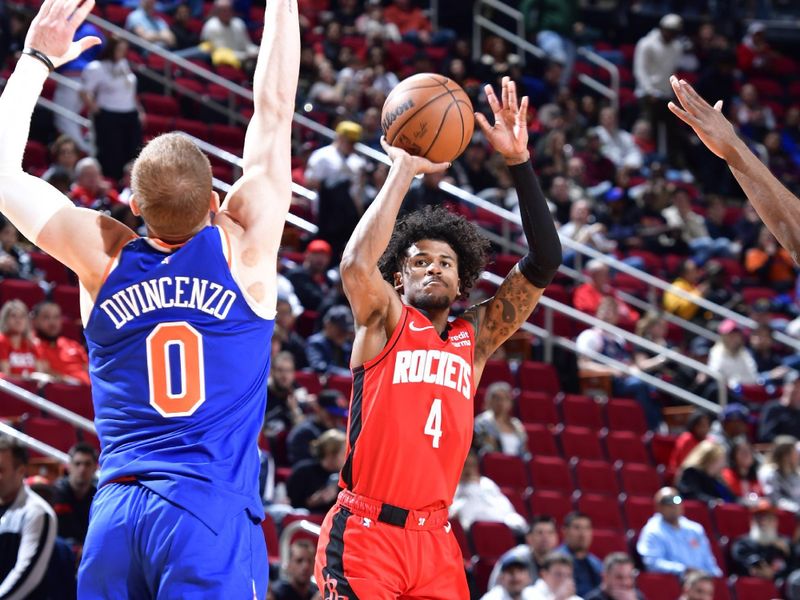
x=173 y=346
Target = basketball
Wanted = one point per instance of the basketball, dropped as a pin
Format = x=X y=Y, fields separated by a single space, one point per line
x=428 y=115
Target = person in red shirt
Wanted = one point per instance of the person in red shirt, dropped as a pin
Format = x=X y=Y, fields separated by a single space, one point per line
x=65 y=359
x=19 y=355
x=90 y=189
x=414 y=26
x=697 y=428
x=587 y=296
x=415 y=372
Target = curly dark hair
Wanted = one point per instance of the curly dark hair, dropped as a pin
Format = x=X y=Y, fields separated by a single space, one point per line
x=438 y=223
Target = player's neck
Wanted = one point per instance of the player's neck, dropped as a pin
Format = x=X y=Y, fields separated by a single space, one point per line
x=438 y=317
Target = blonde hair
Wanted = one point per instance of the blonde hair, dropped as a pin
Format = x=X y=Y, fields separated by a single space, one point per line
x=10 y=306
x=701 y=457
x=330 y=442
x=171 y=183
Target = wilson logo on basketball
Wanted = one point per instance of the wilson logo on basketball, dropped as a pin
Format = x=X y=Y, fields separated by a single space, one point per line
x=393 y=115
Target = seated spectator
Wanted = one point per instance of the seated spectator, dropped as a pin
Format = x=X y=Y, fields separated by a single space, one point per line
x=698 y=586
x=689 y=280
x=283 y=411
x=74 y=493
x=692 y=228
x=754 y=118
x=65 y=359
x=763 y=553
x=310 y=280
x=90 y=189
x=583 y=228
x=497 y=429
x=64 y=155
x=780 y=475
x=617 y=145
x=541 y=540
x=769 y=363
x=19 y=354
x=700 y=475
x=771 y=264
x=612 y=346
x=587 y=568
x=741 y=474
x=782 y=416
x=619 y=580
x=185 y=37
x=652 y=327
x=373 y=26
x=697 y=428
x=148 y=25
x=15 y=261
x=328 y=351
x=472 y=168
x=598 y=168
x=513 y=579
x=731 y=427
x=413 y=25
x=730 y=357
x=227 y=36
x=295 y=582
x=478 y=498
x=587 y=296
x=671 y=543
x=290 y=341
x=755 y=53
x=329 y=411
x=556 y=580
x=314 y=482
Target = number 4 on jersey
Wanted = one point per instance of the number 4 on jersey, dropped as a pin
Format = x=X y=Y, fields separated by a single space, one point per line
x=433 y=427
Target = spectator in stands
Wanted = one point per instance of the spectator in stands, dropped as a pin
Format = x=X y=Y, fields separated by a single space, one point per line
x=414 y=26
x=655 y=59
x=15 y=261
x=587 y=568
x=472 y=168
x=295 y=582
x=755 y=120
x=91 y=190
x=617 y=145
x=65 y=359
x=671 y=543
x=555 y=24
x=780 y=475
x=290 y=341
x=754 y=53
x=731 y=426
x=64 y=155
x=497 y=429
x=29 y=527
x=741 y=474
x=763 y=553
x=690 y=281
x=692 y=228
x=730 y=357
x=19 y=354
x=700 y=474
x=619 y=580
x=582 y=228
x=613 y=346
x=74 y=494
x=697 y=427
x=771 y=264
x=329 y=411
x=311 y=281
x=325 y=92
x=597 y=168
x=541 y=540
x=698 y=585
x=513 y=579
x=588 y=296
x=109 y=93
x=314 y=482
x=478 y=498
x=425 y=192
x=283 y=410
x=328 y=351
x=781 y=416
x=770 y=364
x=186 y=38
x=374 y=27
x=149 y=25
x=227 y=35
x=557 y=580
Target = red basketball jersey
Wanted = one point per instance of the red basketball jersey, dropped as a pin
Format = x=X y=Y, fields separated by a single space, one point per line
x=411 y=415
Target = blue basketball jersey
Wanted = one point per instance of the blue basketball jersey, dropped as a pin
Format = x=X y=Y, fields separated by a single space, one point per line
x=179 y=363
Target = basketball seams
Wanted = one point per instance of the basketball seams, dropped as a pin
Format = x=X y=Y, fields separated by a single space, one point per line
x=439 y=129
x=460 y=116
x=408 y=116
x=464 y=142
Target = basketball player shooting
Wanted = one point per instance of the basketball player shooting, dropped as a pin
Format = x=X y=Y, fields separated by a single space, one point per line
x=415 y=373
x=777 y=206
x=178 y=326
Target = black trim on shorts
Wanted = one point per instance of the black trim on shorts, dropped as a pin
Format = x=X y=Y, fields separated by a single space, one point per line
x=355 y=424
x=334 y=560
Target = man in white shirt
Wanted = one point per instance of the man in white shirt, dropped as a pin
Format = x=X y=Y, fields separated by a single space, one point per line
x=617 y=145
x=730 y=357
x=147 y=24
x=227 y=34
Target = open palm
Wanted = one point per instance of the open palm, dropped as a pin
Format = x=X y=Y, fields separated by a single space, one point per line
x=54 y=26
x=509 y=134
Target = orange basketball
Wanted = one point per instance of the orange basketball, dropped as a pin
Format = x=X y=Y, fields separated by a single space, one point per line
x=428 y=115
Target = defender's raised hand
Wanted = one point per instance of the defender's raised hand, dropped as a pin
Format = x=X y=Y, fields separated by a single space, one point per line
x=54 y=26
x=509 y=134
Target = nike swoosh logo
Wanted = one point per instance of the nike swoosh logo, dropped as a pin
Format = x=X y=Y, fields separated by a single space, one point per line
x=413 y=327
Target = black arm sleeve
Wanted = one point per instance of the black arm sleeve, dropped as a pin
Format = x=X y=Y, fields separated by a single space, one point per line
x=539 y=266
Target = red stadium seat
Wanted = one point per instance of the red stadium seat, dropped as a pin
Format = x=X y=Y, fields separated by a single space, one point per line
x=58 y=434
x=491 y=540
x=19 y=289
x=697 y=511
x=752 y=588
x=481 y=571
x=602 y=510
x=157 y=124
x=541 y=441
x=271 y=538
x=504 y=470
x=605 y=541
x=581 y=442
x=759 y=394
x=36 y=156
x=639 y=480
x=539 y=377
x=165 y=106
x=662 y=446
x=309 y=381
x=54 y=271
x=751 y=294
x=627 y=447
x=197 y=129
x=582 y=411
x=721 y=590
x=626 y=415
x=596 y=477
x=550 y=473
x=517 y=498
x=496 y=370
x=787 y=523
x=341 y=383
x=227 y=135
x=637 y=511
x=77 y=398
x=658 y=586
x=12 y=407
x=537 y=407
x=463 y=544
x=117 y=14
x=68 y=298
x=732 y=520
x=554 y=504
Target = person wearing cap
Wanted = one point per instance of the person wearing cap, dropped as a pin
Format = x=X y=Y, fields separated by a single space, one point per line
x=514 y=579
x=763 y=552
x=328 y=351
x=313 y=482
x=731 y=426
x=619 y=580
x=741 y=474
x=782 y=416
x=310 y=280
x=329 y=412
x=541 y=540
x=671 y=543
x=555 y=580
x=755 y=53
x=730 y=357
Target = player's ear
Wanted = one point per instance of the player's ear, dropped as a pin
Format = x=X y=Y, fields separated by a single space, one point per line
x=214 y=203
x=135 y=207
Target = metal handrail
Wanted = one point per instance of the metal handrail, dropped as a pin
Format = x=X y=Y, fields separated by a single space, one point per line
x=34 y=444
x=50 y=407
x=610 y=92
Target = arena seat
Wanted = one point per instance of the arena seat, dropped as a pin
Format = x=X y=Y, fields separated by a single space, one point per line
x=163 y=106
x=227 y=135
x=342 y=383
x=13 y=408
x=661 y=447
x=596 y=477
x=77 y=398
x=552 y=503
x=19 y=289
x=605 y=541
x=309 y=381
x=731 y=520
x=639 y=480
x=541 y=441
x=539 y=376
x=271 y=538
x=626 y=415
x=658 y=586
x=753 y=588
x=491 y=540
x=697 y=511
x=537 y=407
x=582 y=411
x=581 y=442
x=550 y=473
x=721 y=589
x=68 y=298
x=198 y=129
x=54 y=271
x=627 y=447
x=59 y=434
x=602 y=510
x=637 y=510
x=504 y=470
x=496 y=370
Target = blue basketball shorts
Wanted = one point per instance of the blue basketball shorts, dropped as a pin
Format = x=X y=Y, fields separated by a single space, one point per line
x=140 y=546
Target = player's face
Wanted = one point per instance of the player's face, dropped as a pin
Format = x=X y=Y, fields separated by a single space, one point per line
x=620 y=579
x=702 y=590
x=10 y=476
x=515 y=579
x=430 y=275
